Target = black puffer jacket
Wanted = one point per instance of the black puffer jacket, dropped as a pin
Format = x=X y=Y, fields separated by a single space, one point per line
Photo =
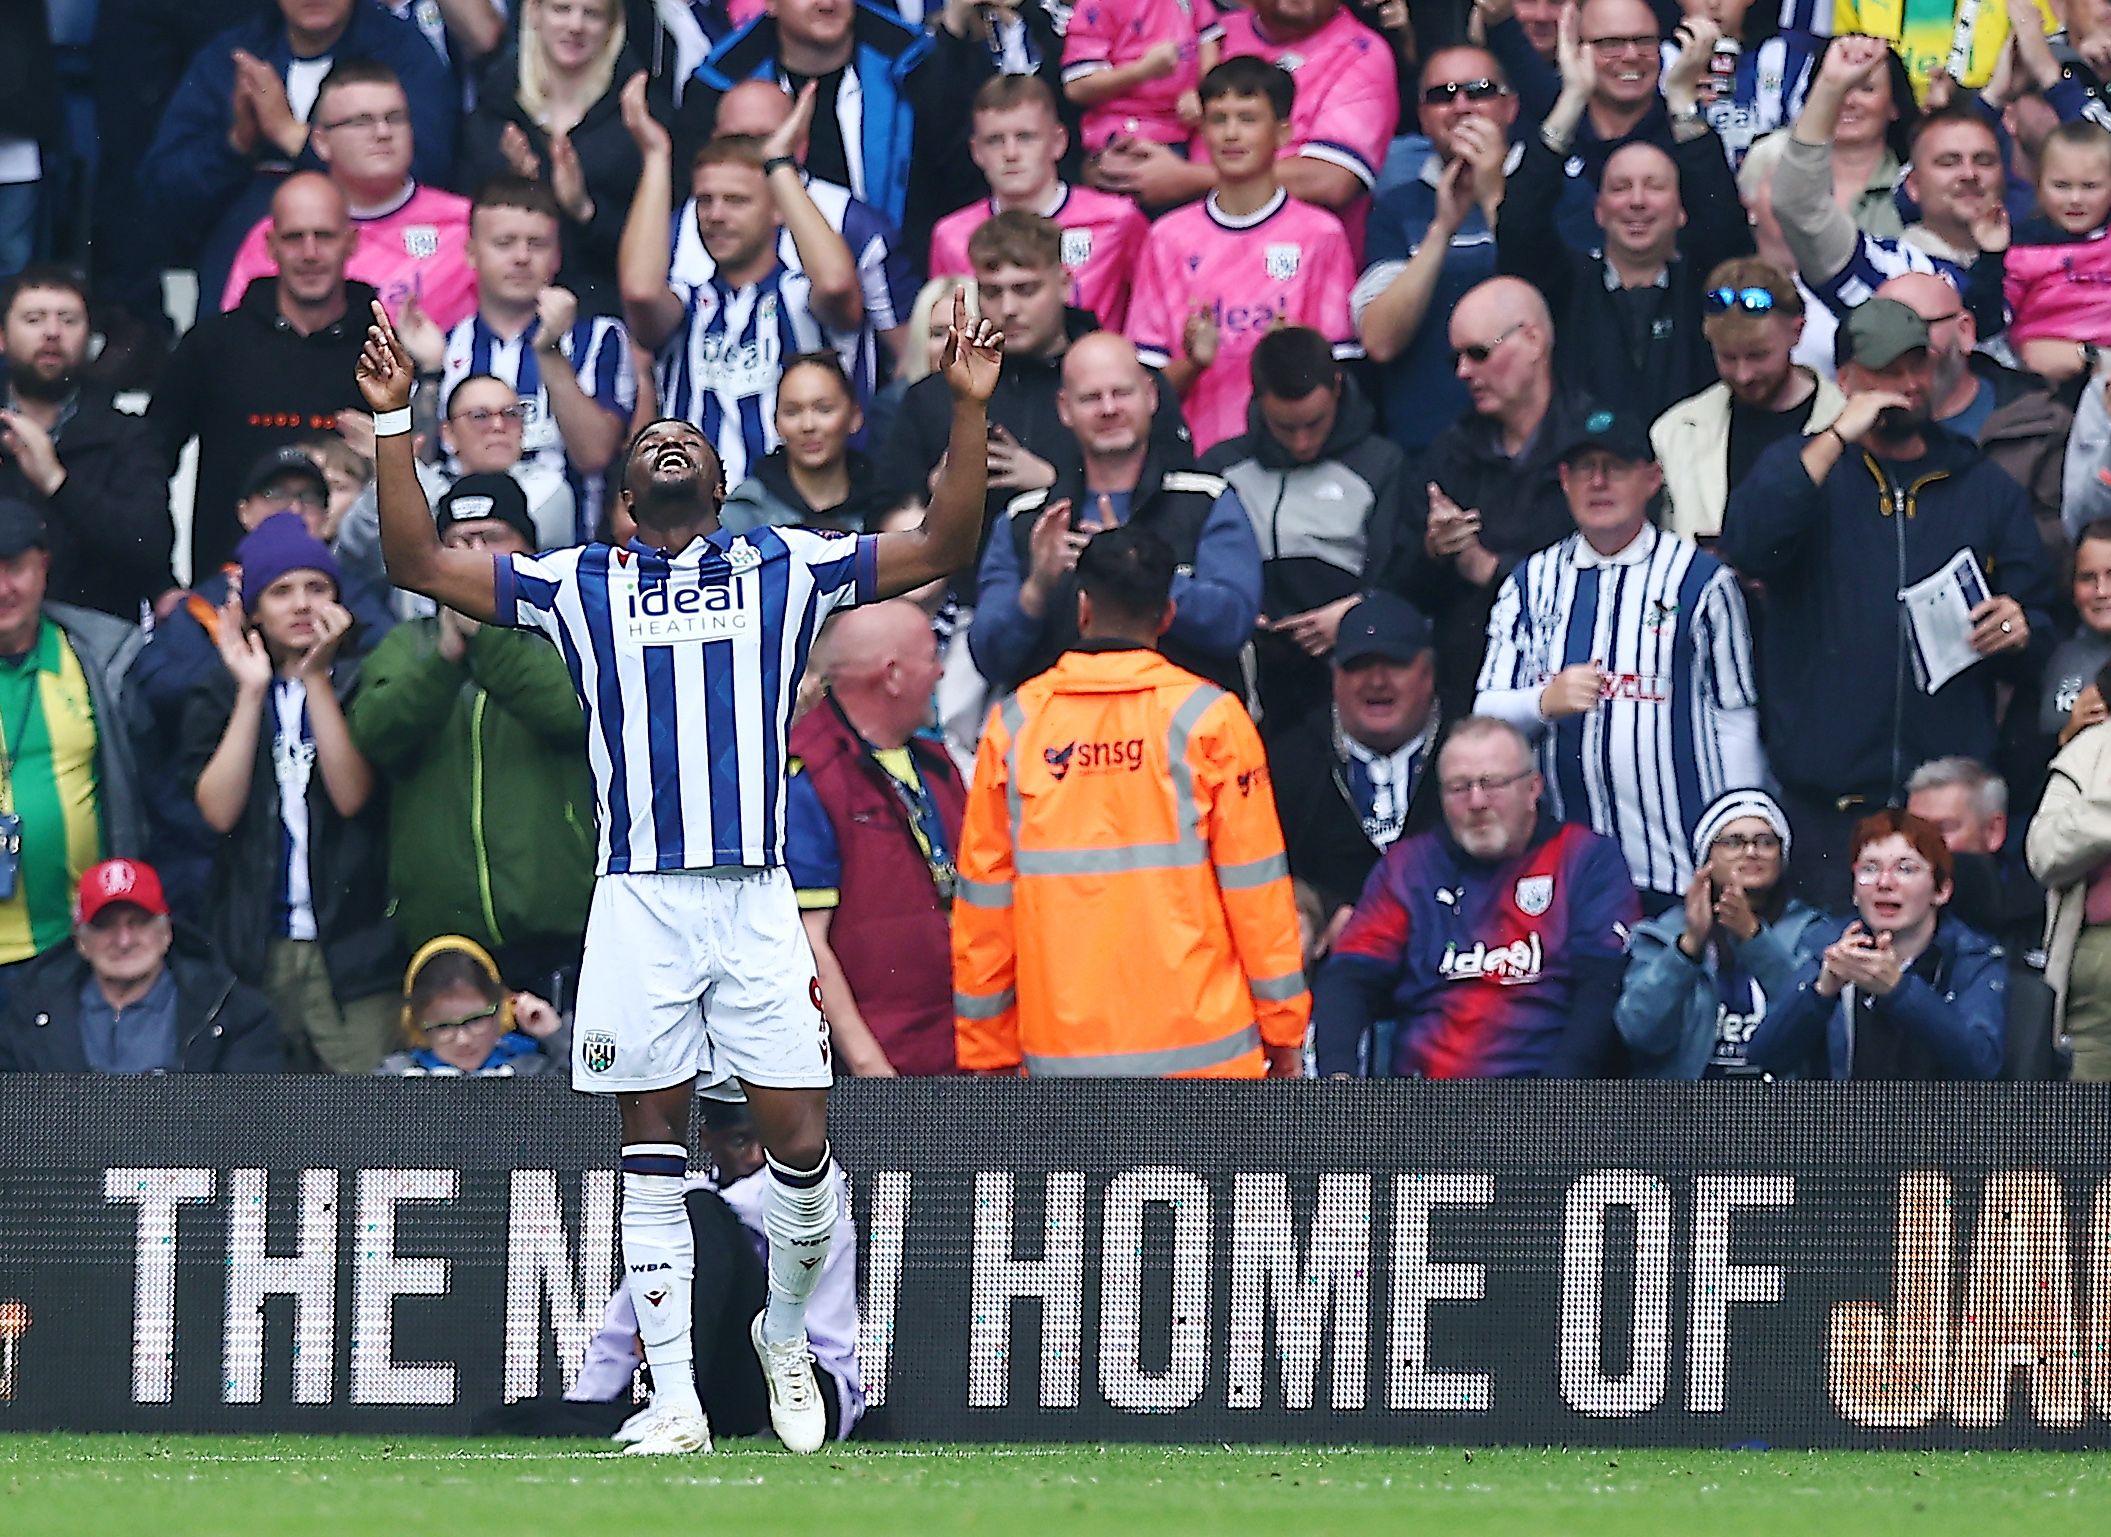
x=347 y=859
x=221 y=1025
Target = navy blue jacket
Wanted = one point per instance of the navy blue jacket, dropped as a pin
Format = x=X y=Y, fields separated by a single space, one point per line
x=1842 y=712
x=201 y=193
x=1961 y=1018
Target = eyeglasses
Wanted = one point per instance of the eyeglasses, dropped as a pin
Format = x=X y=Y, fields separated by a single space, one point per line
x=1905 y=870
x=1480 y=352
x=305 y=496
x=367 y=122
x=1443 y=95
x=464 y=1022
x=484 y=416
x=1749 y=301
x=1487 y=784
x=1748 y=843
x=1609 y=45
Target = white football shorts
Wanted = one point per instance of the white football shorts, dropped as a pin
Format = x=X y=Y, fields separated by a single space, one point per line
x=698 y=974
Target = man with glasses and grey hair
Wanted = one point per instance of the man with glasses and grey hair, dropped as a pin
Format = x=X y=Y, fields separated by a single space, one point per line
x=1496 y=941
x=1968 y=804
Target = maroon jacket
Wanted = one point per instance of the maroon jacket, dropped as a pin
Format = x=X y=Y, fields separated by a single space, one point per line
x=891 y=932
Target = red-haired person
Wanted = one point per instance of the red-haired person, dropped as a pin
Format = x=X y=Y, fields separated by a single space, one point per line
x=1904 y=991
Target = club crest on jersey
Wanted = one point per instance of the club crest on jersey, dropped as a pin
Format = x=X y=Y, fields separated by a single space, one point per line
x=1535 y=894
x=1282 y=261
x=743 y=556
x=421 y=242
x=597 y=1051
x=1077 y=247
x=1291 y=61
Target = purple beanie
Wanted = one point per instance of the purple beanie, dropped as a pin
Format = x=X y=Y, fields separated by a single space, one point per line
x=279 y=544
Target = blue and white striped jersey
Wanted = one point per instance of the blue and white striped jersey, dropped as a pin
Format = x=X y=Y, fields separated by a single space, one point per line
x=688 y=666
x=598 y=349
x=884 y=275
x=720 y=369
x=1679 y=723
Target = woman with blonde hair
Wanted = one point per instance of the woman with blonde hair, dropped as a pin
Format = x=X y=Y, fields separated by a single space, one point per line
x=549 y=108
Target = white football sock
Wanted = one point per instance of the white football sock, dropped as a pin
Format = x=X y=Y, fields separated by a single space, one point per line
x=659 y=1261
x=799 y=1215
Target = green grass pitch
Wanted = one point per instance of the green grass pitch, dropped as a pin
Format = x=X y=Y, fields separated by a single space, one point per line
x=146 y=1486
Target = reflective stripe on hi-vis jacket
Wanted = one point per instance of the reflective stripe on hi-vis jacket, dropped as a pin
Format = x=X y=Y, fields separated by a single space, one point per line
x=1124 y=906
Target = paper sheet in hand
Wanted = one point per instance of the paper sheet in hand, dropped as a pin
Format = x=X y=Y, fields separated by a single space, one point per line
x=1939 y=620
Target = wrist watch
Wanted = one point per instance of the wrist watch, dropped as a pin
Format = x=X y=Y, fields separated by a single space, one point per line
x=770 y=166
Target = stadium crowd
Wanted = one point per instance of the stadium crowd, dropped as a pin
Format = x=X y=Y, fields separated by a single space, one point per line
x=1521 y=539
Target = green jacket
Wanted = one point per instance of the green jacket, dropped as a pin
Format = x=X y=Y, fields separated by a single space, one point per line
x=491 y=823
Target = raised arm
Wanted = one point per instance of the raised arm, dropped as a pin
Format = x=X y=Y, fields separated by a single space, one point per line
x=652 y=309
x=945 y=542
x=410 y=545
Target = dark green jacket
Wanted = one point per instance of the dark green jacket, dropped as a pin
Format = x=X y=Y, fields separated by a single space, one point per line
x=491 y=821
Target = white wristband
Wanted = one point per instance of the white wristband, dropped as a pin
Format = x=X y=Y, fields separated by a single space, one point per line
x=392 y=424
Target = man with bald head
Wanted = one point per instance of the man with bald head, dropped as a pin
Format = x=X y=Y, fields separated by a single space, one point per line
x=1491 y=484
x=1629 y=314
x=755 y=109
x=872 y=827
x=276 y=367
x=1026 y=616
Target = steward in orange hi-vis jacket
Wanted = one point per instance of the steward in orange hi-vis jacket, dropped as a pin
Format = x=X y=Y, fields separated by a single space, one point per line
x=1124 y=906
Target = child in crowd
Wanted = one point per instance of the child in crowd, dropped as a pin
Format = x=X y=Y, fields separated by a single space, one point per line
x=1134 y=66
x=299 y=890
x=2059 y=269
x=1218 y=275
x=348 y=472
x=1017 y=142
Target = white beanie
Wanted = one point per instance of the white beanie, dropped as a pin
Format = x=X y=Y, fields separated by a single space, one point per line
x=1727 y=809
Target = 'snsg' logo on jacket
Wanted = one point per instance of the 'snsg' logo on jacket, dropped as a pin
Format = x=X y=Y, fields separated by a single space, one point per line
x=1121 y=756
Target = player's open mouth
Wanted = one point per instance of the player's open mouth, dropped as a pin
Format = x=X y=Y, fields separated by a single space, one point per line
x=671 y=457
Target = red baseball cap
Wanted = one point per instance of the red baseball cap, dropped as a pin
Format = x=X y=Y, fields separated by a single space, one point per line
x=119 y=880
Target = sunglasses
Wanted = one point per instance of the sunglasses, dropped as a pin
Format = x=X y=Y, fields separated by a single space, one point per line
x=1748 y=301
x=1473 y=90
x=464 y=1022
x=1480 y=352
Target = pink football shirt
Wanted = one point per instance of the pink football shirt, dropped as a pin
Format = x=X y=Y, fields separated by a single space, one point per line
x=421 y=248
x=1101 y=235
x=1287 y=265
x=1348 y=100
x=1106 y=33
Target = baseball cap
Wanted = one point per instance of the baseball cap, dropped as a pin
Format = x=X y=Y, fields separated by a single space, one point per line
x=119 y=880
x=474 y=498
x=1619 y=433
x=1878 y=332
x=21 y=528
x=1381 y=625
x=279 y=463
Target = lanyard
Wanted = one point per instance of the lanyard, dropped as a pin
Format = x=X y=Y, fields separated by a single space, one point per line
x=15 y=733
x=920 y=812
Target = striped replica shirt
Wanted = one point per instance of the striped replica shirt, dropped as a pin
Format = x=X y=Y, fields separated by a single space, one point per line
x=48 y=736
x=687 y=666
x=884 y=276
x=1679 y=724
x=597 y=348
x=720 y=369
